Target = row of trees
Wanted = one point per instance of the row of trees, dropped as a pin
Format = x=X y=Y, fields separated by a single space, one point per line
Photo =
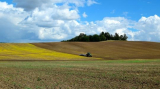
x=101 y=37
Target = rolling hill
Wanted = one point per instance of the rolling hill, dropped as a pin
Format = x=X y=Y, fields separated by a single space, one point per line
x=108 y=49
x=26 y=51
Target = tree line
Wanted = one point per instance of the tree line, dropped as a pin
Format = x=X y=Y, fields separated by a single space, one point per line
x=96 y=38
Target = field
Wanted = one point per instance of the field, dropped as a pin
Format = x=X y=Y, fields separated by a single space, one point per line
x=114 y=65
x=108 y=50
x=26 y=51
x=112 y=50
x=124 y=74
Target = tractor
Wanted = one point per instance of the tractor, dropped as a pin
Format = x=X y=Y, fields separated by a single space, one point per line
x=87 y=55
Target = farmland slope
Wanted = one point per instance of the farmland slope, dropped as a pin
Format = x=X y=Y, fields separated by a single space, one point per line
x=107 y=50
x=26 y=51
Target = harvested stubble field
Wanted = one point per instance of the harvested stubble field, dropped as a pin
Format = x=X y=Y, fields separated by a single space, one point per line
x=112 y=50
x=125 y=74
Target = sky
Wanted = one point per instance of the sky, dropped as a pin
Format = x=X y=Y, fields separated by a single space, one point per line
x=23 y=21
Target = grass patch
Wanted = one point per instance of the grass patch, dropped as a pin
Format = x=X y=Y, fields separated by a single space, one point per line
x=134 y=61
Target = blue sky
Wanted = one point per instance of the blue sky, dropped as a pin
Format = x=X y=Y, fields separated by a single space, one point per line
x=57 y=20
x=133 y=10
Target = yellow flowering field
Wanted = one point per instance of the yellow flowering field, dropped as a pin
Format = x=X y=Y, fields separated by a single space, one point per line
x=26 y=51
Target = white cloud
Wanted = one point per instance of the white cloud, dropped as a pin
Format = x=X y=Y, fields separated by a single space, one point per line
x=10 y=30
x=4 y=5
x=29 y=5
x=149 y=28
x=50 y=33
x=51 y=16
x=42 y=22
x=90 y=2
x=85 y=15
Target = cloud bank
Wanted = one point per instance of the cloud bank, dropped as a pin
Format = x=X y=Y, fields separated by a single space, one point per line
x=57 y=20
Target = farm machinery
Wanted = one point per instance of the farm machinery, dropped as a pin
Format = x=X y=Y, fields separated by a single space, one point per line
x=86 y=55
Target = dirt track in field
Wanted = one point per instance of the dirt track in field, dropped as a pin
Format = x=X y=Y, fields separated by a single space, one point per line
x=107 y=50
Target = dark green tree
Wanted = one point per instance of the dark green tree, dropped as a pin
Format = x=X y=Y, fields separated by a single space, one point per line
x=102 y=33
x=102 y=38
x=90 y=38
x=124 y=37
x=121 y=37
x=111 y=37
x=116 y=36
x=96 y=38
x=107 y=35
x=85 y=39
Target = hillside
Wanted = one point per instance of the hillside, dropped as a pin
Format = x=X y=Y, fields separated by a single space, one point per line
x=107 y=50
x=26 y=51
x=112 y=50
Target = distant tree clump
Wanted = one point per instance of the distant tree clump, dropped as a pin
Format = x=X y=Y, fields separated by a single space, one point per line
x=96 y=38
